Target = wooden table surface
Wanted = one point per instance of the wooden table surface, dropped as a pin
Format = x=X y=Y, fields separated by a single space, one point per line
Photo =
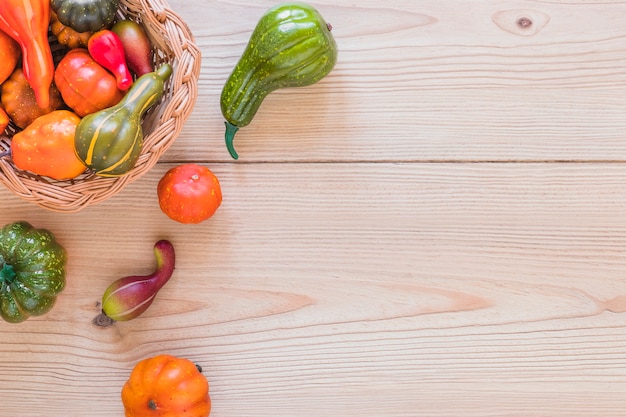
x=437 y=228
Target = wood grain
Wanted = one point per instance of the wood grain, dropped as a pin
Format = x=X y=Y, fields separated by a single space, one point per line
x=351 y=288
x=435 y=229
x=422 y=81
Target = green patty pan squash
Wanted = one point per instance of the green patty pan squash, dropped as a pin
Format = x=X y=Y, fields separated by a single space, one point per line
x=32 y=271
x=85 y=15
x=291 y=46
x=109 y=141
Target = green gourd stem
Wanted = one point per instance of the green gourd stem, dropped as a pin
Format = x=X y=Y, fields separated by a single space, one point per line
x=164 y=71
x=7 y=273
x=231 y=129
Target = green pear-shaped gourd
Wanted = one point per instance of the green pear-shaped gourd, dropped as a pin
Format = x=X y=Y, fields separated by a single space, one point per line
x=291 y=46
x=109 y=141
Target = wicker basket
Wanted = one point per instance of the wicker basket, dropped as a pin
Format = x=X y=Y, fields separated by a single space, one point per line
x=172 y=42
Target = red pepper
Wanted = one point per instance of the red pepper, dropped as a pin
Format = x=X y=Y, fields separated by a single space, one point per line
x=27 y=22
x=106 y=48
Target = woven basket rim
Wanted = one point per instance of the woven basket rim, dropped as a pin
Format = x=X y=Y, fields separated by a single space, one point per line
x=172 y=42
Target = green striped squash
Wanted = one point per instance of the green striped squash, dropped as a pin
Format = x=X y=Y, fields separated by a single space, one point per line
x=291 y=46
x=109 y=141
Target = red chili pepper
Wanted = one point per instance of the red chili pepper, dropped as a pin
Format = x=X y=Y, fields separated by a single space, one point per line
x=106 y=48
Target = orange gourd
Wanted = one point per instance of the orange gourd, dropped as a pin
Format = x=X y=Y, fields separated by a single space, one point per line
x=166 y=386
x=9 y=55
x=20 y=103
x=27 y=22
x=4 y=120
x=46 y=146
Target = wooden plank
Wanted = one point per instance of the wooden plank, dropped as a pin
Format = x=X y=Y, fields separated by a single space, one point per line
x=435 y=229
x=424 y=81
x=341 y=289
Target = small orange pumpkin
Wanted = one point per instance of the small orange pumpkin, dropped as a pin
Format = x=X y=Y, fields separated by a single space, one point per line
x=166 y=386
x=85 y=85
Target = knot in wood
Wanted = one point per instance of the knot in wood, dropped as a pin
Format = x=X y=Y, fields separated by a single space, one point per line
x=524 y=22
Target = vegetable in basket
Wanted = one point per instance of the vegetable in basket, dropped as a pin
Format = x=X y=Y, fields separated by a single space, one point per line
x=67 y=36
x=9 y=55
x=46 y=146
x=137 y=46
x=166 y=386
x=109 y=141
x=4 y=121
x=85 y=15
x=106 y=48
x=32 y=271
x=27 y=22
x=20 y=103
x=291 y=46
x=85 y=85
